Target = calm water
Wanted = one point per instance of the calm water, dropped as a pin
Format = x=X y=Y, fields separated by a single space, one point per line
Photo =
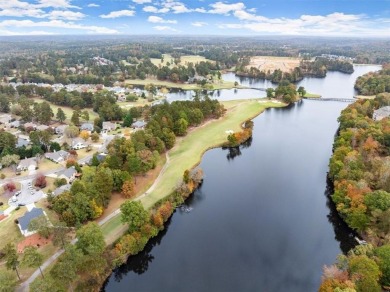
x=261 y=220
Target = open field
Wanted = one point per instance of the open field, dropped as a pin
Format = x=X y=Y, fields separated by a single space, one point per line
x=184 y=60
x=67 y=110
x=217 y=85
x=265 y=63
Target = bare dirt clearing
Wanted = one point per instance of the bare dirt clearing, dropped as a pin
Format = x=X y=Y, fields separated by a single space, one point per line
x=265 y=63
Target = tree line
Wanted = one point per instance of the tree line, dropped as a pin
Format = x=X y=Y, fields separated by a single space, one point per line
x=359 y=169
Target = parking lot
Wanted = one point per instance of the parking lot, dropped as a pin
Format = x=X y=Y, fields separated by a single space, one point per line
x=28 y=194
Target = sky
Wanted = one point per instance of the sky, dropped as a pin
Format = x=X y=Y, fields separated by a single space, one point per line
x=353 y=18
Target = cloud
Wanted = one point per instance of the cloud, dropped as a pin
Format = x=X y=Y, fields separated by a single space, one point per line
x=93 y=5
x=6 y=24
x=153 y=9
x=66 y=15
x=120 y=13
x=56 y=4
x=156 y=19
x=142 y=1
x=199 y=23
x=222 y=8
x=164 y=28
x=334 y=24
x=17 y=12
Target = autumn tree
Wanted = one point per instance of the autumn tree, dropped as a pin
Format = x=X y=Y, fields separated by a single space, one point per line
x=40 y=181
x=128 y=189
x=42 y=225
x=90 y=239
x=84 y=135
x=32 y=258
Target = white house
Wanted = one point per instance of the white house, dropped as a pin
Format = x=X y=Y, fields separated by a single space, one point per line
x=138 y=125
x=60 y=130
x=24 y=221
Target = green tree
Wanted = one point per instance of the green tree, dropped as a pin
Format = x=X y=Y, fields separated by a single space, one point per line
x=134 y=214
x=9 y=160
x=7 y=141
x=32 y=258
x=60 y=234
x=365 y=272
x=11 y=258
x=75 y=118
x=72 y=132
x=41 y=225
x=180 y=127
x=8 y=282
x=60 y=116
x=383 y=253
x=65 y=270
x=45 y=113
x=270 y=92
x=90 y=239
x=301 y=90
x=128 y=120
x=85 y=115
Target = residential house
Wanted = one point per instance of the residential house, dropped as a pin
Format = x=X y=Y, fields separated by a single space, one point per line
x=22 y=142
x=381 y=113
x=138 y=125
x=61 y=189
x=30 y=125
x=58 y=156
x=87 y=127
x=109 y=126
x=78 y=143
x=42 y=127
x=5 y=119
x=60 y=130
x=69 y=174
x=29 y=164
x=14 y=124
x=25 y=220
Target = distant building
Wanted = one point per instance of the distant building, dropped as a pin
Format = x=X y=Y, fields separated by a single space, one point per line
x=61 y=189
x=60 y=130
x=26 y=219
x=22 y=142
x=383 y=112
x=69 y=174
x=78 y=143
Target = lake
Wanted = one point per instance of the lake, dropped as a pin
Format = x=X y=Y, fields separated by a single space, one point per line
x=262 y=219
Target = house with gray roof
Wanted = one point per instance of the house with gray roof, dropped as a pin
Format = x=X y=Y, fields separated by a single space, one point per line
x=109 y=126
x=381 y=113
x=25 y=220
x=42 y=127
x=69 y=174
x=86 y=127
x=29 y=164
x=14 y=124
x=57 y=156
x=22 y=142
x=138 y=125
x=61 y=189
x=60 y=130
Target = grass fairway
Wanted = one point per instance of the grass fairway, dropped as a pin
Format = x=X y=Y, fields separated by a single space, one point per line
x=217 y=85
x=312 y=95
x=189 y=150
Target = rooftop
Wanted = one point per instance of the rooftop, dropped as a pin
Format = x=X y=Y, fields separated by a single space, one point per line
x=25 y=220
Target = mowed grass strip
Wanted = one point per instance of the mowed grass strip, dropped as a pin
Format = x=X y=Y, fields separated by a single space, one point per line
x=189 y=150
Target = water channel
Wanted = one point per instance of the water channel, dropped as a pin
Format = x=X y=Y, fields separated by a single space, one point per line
x=262 y=220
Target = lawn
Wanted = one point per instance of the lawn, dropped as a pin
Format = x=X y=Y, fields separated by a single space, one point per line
x=311 y=95
x=184 y=60
x=9 y=231
x=188 y=151
x=67 y=110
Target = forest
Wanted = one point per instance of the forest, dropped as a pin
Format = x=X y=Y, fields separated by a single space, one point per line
x=360 y=171
x=374 y=82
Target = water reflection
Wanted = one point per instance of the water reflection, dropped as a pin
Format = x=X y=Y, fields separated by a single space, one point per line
x=343 y=234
